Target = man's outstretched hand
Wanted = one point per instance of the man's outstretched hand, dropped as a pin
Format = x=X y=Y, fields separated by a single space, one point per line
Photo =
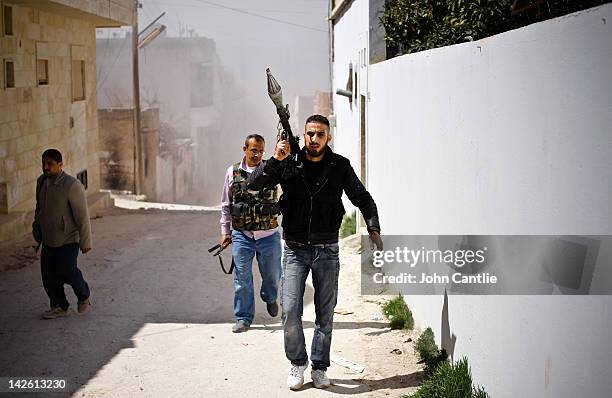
x=375 y=240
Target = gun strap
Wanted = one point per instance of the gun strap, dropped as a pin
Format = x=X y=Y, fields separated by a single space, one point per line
x=217 y=253
x=231 y=266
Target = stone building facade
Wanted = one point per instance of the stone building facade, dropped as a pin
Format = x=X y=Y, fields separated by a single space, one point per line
x=48 y=95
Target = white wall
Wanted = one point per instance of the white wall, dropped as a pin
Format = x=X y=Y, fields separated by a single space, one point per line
x=507 y=135
x=350 y=37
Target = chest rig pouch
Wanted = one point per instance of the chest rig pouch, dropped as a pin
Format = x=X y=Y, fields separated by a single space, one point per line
x=252 y=210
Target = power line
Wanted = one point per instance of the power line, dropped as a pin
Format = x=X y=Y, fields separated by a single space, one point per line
x=261 y=16
x=99 y=83
x=322 y=13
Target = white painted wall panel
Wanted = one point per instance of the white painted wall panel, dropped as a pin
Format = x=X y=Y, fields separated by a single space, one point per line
x=507 y=135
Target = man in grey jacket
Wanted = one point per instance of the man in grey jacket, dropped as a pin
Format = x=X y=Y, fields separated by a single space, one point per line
x=61 y=225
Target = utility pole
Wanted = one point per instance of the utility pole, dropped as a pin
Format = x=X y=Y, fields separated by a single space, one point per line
x=138 y=160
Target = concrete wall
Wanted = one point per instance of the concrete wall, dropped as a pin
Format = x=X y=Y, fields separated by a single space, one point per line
x=117 y=150
x=174 y=177
x=303 y=106
x=168 y=162
x=104 y=13
x=182 y=174
x=506 y=135
x=322 y=103
x=33 y=117
x=165 y=165
x=150 y=149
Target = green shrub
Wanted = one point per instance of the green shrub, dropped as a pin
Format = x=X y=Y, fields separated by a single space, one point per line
x=417 y=25
x=450 y=381
x=398 y=313
x=426 y=345
x=443 y=379
x=480 y=392
x=428 y=352
x=349 y=225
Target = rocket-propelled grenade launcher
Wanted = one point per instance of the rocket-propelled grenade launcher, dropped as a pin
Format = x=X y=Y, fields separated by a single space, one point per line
x=276 y=95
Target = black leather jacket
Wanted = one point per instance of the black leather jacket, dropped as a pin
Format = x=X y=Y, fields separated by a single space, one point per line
x=315 y=217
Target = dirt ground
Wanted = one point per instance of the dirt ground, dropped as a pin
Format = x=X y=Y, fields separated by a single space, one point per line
x=161 y=320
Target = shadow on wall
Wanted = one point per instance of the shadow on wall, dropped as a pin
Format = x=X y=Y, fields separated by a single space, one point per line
x=448 y=340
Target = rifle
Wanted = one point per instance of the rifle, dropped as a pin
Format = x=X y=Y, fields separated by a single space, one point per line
x=284 y=128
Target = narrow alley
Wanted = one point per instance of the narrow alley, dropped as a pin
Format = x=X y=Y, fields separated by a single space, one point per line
x=161 y=319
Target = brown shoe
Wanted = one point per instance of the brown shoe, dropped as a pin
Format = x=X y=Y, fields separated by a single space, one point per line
x=55 y=312
x=83 y=306
x=272 y=309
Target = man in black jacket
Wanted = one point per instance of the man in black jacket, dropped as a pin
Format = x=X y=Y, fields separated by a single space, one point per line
x=312 y=210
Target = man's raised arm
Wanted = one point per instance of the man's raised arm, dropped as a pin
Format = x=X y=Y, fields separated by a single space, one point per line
x=268 y=173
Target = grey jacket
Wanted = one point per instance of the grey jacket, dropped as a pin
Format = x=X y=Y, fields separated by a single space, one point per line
x=61 y=215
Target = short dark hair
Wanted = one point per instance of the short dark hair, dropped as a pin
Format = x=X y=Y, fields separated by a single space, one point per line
x=317 y=119
x=256 y=137
x=52 y=154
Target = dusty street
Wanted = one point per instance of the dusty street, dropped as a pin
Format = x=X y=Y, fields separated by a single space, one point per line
x=161 y=319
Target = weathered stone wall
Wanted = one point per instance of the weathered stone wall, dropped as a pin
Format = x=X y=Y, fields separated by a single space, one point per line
x=116 y=149
x=35 y=117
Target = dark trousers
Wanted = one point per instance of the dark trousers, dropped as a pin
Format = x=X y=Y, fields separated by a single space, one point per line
x=58 y=266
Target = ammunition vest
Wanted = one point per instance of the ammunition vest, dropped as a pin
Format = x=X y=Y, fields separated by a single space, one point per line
x=252 y=210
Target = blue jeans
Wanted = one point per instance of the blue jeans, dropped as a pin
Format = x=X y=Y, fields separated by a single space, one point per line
x=298 y=260
x=268 y=253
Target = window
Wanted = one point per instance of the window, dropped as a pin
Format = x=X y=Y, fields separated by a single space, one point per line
x=355 y=86
x=9 y=74
x=78 y=80
x=82 y=176
x=42 y=63
x=7 y=16
x=42 y=72
x=3 y=197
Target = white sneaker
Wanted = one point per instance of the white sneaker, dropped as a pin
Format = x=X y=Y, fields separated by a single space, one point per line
x=319 y=378
x=295 y=379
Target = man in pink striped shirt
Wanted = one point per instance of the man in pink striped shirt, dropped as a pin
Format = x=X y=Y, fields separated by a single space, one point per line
x=249 y=222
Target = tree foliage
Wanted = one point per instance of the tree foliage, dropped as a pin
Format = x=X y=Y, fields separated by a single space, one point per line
x=417 y=25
